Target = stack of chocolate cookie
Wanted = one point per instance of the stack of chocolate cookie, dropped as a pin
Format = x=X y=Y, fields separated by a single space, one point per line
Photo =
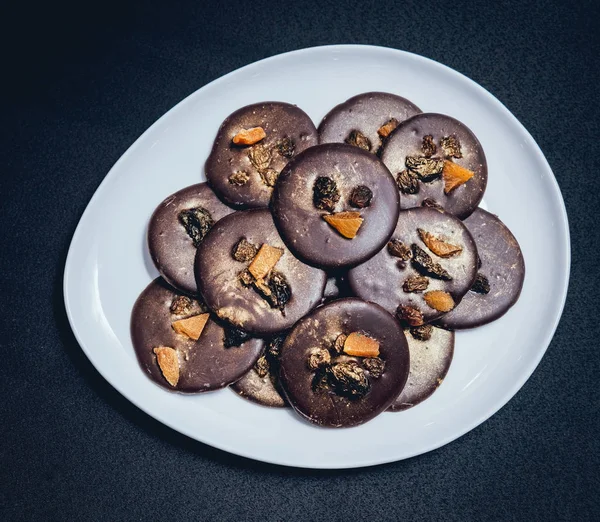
x=326 y=269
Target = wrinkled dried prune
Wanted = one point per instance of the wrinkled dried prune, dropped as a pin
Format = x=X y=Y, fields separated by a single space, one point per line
x=244 y=251
x=408 y=182
x=261 y=366
x=428 y=147
x=259 y=156
x=427 y=169
x=348 y=379
x=325 y=193
x=451 y=147
x=409 y=315
x=181 y=305
x=234 y=336
x=432 y=203
x=415 y=284
x=197 y=222
x=481 y=285
x=361 y=196
x=375 y=366
x=358 y=139
x=422 y=261
x=286 y=147
x=239 y=178
x=318 y=358
x=398 y=249
x=422 y=333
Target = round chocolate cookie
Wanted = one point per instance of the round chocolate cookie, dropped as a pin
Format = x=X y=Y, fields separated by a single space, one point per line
x=335 y=205
x=431 y=351
x=424 y=271
x=261 y=383
x=366 y=120
x=248 y=277
x=243 y=171
x=175 y=360
x=500 y=277
x=177 y=226
x=344 y=363
x=437 y=158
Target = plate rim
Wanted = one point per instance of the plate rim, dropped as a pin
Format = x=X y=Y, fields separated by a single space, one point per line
x=510 y=391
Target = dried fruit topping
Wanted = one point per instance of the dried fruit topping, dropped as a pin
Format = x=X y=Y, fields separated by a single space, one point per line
x=261 y=366
x=397 y=248
x=385 y=130
x=197 y=222
x=439 y=300
x=280 y=291
x=318 y=357
x=454 y=176
x=409 y=315
x=259 y=156
x=437 y=246
x=239 y=178
x=191 y=327
x=286 y=147
x=348 y=379
x=451 y=147
x=422 y=261
x=244 y=251
x=320 y=382
x=338 y=345
x=264 y=261
x=408 y=182
x=422 y=333
x=249 y=136
x=274 y=346
x=481 y=285
x=246 y=277
x=427 y=169
x=428 y=147
x=361 y=345
x=181 y=305
x=168 y=362
x=432 y=203
x=361 y=196
x=346 y=223
x=375 y=366
x=269 y=177
x=234 y=337
x=358 y=139
x=415 y=284
x=325 y=193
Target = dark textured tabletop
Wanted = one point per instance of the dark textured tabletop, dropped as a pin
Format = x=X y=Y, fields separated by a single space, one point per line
x=84 y=80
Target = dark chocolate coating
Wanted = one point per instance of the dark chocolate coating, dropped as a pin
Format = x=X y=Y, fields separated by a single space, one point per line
x=171 y=248
x=301 y=224
x=218 y=282
x=407 y=140
x=366 y=113
x=501 y=262
x=261 y=390
x=279 y=120
x=429 y=363
x=319 y=330
x=204 y=364
x=380 y=279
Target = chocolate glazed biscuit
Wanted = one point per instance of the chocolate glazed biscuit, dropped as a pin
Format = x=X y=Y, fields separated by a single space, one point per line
x=265 y=304
x=177 y=226
x=244 y=175
x=203 y=365
x=327 y=385
x=431 y=351
x=335 y=205
x=417 y=151
x=408 y=273
x=500 y=277
x=366 y=120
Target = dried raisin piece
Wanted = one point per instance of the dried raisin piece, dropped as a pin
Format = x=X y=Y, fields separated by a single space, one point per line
x=234 y=336
x=375 y=366
x=245 y=277
x=244 y=251
x=422 y=333
x=422 y=261
x=432 y=203
x=274 y=347
x=428 y=147
x=481 y=285
x=239 y=178
x=415 y=284
x=427 y=169
x=197 y=222
x=451 y=147
x=181 y=305
x=348 y=379
x=269 y=177
x=338 y=345
x=261 y=366
x=358 y=139
x=286 y=147
x=325 y=193
x=408 y=182
x=397 y=248
x=318 y=358
x=280 y=290
x=409 y=315
x=361 y=196
x=259 y=156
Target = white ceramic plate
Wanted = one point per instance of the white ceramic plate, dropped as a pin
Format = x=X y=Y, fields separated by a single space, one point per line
x=108 y=265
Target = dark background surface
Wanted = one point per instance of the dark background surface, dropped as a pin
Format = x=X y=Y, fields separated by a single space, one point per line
x=85 y=80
